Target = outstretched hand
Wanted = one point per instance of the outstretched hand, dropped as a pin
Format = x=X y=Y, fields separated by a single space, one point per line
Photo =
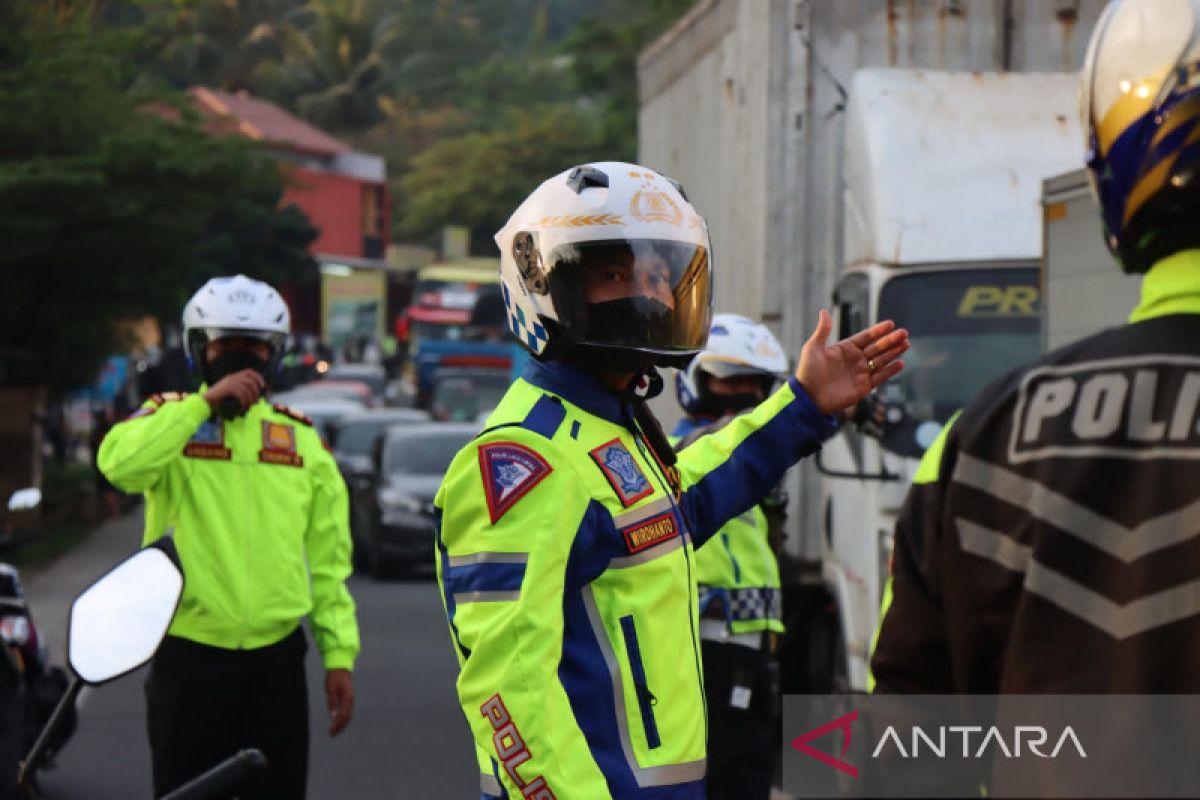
x=838 y=375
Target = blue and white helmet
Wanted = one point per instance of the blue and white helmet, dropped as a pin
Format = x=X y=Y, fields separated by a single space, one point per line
x=1140 y=108
x=598 y=214
x=736 y=346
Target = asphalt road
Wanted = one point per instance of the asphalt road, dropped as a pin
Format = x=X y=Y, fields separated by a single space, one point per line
x=408 y=738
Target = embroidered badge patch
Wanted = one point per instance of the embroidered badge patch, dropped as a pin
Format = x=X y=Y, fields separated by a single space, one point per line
x=208 y=442
x=650 y=532
x=626 y=477
x=509 y=472
x=279 y=445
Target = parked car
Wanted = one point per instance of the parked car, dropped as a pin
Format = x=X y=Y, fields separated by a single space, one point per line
x=395 y=523
x=373 y=375
x=346 y=390
x=353 y=437
x=460 y=394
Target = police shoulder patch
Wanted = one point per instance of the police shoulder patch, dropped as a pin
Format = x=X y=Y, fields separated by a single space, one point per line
x=165 y=397
x=292 y=414
x=622 y=472
x=509 y=471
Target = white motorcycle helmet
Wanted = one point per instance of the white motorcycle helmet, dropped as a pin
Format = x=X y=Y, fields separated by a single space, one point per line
x=1140 y=107
x=587 y=230
x=235 y=306
x=736 y=346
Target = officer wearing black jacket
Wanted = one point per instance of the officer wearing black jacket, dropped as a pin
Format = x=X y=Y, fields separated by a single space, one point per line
x=1051 y=540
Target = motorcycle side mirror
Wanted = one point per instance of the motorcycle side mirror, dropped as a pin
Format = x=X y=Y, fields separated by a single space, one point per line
x=25 y=499
x=116 y=625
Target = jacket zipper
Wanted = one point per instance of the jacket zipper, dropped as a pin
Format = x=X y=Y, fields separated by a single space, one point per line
x=646 y=698
x=652 y=462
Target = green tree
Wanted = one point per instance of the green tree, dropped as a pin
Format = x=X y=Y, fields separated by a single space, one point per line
x=217 y=43
x=111 y=206
x=337 y=59
x=604 y=48
x=478 y=179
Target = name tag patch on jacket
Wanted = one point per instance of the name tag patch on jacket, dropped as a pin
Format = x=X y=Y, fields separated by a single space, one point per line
x=509 y=472
x=279 y=445
x=208 y=441
x=622 y=471
x=650 y=532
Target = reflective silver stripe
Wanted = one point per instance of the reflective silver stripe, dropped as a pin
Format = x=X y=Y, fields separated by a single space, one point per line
x=489 y=558
x=1096 y=529
x=645 y=776
x=627 y=518
x=486 y=597
x=715 y=630
x=686 y=772
x=489 y=785
x=649 y=554
x=1118 y=621
x=989 y=544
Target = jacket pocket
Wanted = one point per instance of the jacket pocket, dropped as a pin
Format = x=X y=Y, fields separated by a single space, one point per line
x=646 y=698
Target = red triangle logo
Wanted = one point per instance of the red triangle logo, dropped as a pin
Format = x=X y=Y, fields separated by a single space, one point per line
x=843 y=724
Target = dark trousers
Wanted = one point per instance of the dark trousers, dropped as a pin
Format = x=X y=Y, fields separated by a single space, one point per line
x=206 y=703
x=743 y=743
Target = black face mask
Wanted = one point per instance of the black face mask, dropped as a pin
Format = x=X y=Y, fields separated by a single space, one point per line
x=630 y=322
x=232 y=361
x=718 y=405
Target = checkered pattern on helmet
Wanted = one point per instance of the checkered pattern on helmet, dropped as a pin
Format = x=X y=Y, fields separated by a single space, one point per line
x=530 y=332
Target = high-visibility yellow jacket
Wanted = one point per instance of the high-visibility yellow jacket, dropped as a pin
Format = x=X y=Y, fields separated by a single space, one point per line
x=737 y=568
x=260 y=520
x=568 y=575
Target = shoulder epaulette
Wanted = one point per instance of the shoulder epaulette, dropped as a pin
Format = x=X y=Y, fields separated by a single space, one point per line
x=292 y=414
x=165 y=397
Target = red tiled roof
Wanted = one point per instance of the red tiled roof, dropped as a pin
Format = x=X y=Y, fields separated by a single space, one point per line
x=264 y=121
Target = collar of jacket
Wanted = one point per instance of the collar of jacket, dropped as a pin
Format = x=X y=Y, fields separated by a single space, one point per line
x=1172 y=286
x=577 y=388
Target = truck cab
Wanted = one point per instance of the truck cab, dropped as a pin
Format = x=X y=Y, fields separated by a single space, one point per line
x=941 y=232
x=968 y=324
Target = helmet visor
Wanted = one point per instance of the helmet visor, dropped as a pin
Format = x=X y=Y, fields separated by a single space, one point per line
x=650 y=295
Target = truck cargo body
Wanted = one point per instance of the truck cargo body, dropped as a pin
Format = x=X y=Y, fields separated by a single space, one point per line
x=1083 y=288
x=825 y=176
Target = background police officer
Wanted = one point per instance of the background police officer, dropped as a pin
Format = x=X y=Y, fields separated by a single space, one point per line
x=257 y=506
x=737 y=571
x=1048 y=543
x=566 y=530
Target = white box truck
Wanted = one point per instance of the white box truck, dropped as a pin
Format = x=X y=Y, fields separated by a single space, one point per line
x=890 y=157
x=1083 y=289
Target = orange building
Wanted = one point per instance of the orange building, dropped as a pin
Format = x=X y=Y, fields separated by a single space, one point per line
x=343 y=192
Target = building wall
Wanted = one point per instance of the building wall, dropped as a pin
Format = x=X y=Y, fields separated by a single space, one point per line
x=333 y=204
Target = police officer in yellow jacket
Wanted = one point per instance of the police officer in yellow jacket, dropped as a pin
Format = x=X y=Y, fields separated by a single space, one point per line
x=566 y=533
x=1047 y=544
x=259 y=515
x=737 y=572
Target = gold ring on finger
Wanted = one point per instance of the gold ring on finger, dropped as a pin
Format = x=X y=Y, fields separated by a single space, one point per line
x=870 y=365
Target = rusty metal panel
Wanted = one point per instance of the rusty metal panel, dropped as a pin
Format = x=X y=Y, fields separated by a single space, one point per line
x=1051 y=34
x=943 y=34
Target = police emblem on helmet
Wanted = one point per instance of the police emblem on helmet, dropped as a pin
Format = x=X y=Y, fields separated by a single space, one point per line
x=651 y=206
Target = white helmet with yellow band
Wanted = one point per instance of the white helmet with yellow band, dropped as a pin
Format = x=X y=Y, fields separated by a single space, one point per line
x=598 y=223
